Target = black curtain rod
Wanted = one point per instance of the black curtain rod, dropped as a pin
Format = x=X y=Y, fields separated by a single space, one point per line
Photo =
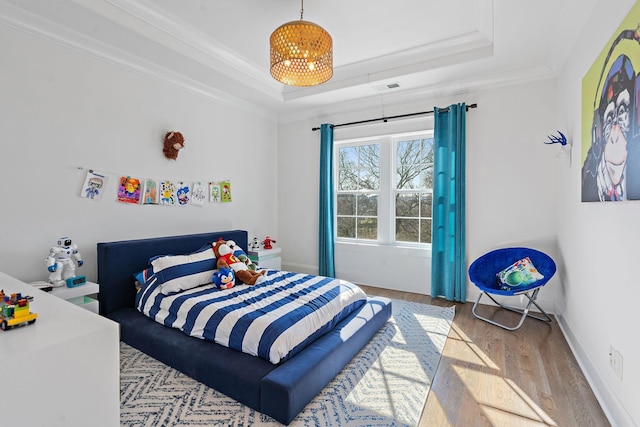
x=384 y=119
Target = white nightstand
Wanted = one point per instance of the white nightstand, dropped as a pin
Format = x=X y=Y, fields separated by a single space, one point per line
x=79 y=295
x=266 y=258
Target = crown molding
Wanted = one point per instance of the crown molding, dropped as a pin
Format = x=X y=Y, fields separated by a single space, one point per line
x=153 y=23
x=169 y=31
x=231 y=79
x=52 y=32
x=393 y=100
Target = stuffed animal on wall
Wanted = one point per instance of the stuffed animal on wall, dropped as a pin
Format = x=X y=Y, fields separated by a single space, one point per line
x=239 y=253
x=226 y=259
x=173 y=143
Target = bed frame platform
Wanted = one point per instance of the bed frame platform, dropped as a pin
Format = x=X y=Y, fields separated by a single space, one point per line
x=280 y=391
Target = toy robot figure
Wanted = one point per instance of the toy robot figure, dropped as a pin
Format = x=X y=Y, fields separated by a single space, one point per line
x=267 y=242
x=60 y=261
x=255 y=246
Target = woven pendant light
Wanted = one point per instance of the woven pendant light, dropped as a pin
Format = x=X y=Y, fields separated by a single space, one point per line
x=301 y=53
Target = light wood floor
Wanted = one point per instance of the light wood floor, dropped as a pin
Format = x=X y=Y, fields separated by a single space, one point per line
x=489 y=376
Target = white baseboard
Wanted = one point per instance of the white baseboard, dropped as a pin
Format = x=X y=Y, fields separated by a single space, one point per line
x=610 y=403
x=300 y=268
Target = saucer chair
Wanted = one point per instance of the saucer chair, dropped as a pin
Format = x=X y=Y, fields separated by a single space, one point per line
x=484 y=270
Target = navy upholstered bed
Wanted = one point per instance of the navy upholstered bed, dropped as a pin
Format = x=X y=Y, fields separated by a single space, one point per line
x=278 y=390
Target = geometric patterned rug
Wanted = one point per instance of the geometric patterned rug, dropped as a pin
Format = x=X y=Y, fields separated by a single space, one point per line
x=386 y=383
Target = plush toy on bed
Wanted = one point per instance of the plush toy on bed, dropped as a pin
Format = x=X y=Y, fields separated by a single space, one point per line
x=239 y=253
x=224 y=278
x=226 y=259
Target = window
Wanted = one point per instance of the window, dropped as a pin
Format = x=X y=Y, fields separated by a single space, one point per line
x=358 y=191
x=413 y=189
x=384 y=188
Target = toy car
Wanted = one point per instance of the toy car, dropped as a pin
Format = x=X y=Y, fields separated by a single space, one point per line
x=15 y=310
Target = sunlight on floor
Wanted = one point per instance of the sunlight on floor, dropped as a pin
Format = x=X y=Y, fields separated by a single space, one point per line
x=511 y=419
x=484 y=386
x=474 y=354
x=474 y=391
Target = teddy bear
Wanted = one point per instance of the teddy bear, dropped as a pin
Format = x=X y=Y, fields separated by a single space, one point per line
x=226 y=259
x=173 y=143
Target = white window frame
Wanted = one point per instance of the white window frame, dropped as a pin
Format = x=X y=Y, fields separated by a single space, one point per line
x=386 y=199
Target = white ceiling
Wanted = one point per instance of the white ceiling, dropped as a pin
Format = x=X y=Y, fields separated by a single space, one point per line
x=221 y=47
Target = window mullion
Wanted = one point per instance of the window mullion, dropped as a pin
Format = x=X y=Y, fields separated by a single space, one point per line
x=385 y=206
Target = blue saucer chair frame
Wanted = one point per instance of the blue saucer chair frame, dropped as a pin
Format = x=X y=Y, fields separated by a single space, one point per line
x=483 y=271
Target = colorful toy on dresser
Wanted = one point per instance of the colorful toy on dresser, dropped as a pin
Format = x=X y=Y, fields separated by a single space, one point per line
x=15 y=310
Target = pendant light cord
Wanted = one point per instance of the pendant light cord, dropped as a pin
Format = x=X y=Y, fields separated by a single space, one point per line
x=301 y=9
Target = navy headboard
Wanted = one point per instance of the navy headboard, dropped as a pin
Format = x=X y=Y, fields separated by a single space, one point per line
x=118 y=261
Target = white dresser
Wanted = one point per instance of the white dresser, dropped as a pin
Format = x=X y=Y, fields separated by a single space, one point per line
x=63 y=370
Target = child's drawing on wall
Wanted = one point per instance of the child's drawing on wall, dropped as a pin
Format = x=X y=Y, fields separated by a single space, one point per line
x=225 y=188
x=93 y=185
x=198 y=194
x=183 y=193
x=168 y=193
x=214 y=192
x=150 y=192
x=129 y=190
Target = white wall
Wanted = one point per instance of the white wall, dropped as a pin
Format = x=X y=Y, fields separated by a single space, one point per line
x=598 y=243
x=298 y=212
x=511 y=180
x=62 y=110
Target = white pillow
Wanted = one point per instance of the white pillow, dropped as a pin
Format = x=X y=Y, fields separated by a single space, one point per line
x=181 y=272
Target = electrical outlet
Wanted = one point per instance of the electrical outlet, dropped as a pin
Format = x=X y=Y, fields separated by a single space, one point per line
x=615 y=361
x=612 y=355
x=617 y=366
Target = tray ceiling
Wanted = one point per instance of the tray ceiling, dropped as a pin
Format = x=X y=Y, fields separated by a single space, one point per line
x=408 y=48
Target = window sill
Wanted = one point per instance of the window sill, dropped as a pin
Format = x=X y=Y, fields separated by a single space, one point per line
x=365 y=247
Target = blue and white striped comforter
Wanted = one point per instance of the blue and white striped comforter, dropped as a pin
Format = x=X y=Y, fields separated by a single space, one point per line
x=273 y=320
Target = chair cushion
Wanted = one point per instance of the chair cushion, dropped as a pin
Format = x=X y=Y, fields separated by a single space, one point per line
x=520 y=273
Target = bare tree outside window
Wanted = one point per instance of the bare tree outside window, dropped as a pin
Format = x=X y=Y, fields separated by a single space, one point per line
x=413 y=193
x=409 y=178
x=358 y=188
